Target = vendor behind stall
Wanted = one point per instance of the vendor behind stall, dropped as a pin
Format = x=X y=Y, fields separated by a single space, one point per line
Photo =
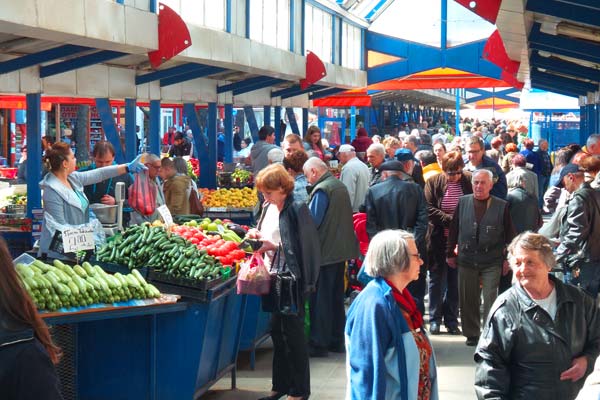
x=65 y=203
x=104 y=192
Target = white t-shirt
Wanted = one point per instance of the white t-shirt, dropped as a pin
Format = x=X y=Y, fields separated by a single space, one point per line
x=548 y=304
x=269 y=229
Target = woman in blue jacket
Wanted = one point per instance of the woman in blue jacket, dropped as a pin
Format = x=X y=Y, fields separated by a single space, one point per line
x=65 y=203
x=388 y=353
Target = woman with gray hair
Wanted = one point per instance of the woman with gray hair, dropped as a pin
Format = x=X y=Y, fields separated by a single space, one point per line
x=542 y=336
x=388 y=353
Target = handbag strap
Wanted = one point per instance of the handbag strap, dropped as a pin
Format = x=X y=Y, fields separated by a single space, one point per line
x=280 y=266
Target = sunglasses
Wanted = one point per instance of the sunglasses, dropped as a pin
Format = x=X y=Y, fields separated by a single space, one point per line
x=453 y=173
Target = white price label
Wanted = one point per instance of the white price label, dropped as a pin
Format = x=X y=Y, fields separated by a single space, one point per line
x=166 y=215
x=78 y=239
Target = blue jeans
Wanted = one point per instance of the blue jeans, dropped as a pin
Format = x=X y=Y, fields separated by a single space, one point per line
x=542 y=186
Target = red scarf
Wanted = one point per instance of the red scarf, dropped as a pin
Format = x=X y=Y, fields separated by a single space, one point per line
x=407 y=303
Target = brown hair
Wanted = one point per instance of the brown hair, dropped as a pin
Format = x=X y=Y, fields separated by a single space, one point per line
x=510 y=148
x=16 y=305
x=312 y=129
x=496 y=142
x=274 y=177
x=590 y=164
x=452 y=161
x=55 y=156
x=293 y=138
x=167 y=163
x=103 y=147
x=528 y=143
x=295 y=161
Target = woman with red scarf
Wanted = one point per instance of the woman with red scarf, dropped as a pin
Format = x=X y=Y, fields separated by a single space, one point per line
x=389 y=354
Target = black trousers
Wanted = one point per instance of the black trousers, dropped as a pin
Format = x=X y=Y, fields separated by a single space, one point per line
x=327 y=312
x=291 y=372
x=443 y=286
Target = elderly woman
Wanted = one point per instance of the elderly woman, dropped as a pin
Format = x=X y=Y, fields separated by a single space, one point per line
x=292 y=230
x=391 y=144
x=542 y=336
x=388 y=353
x=442 y=193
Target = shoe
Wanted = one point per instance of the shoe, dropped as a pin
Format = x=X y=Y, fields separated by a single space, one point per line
x=275 y=396
x=472 y=340
x=434 y=328
x=317 y=352
x=455 y=330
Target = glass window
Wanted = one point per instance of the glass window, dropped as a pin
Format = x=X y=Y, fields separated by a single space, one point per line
x=207 y=13
x=351 y=46
x=317 y=32
x=270 y=22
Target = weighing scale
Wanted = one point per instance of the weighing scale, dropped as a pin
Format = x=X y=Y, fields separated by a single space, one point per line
x=116 y=227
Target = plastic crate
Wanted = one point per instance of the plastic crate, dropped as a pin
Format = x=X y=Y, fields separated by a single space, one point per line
x=204 y=284
x=122 y=269
x=194 y=293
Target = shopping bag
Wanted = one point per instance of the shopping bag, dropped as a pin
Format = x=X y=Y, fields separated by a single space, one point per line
x=142 y=194
x=253 y=277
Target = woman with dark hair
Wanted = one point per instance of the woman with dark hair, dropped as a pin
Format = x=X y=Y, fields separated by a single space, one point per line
x=286 y=227
x=442 y=192
x=294 y=163
x=312 y=143
x=65 y=203
x=27 y=354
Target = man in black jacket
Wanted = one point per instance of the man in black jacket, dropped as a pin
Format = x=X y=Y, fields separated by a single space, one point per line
x=399 y=203
x=579 y=248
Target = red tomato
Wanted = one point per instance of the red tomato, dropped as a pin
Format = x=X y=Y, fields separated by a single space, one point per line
x=194 y=240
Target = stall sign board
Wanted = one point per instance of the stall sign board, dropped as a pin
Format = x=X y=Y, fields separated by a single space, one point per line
x=77 y=239
x=165 y=214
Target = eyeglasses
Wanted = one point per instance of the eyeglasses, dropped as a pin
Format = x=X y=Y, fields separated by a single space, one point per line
x=416 y=255
x=452 y=173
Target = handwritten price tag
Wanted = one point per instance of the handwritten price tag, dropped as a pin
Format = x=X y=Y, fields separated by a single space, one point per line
x=78 y=239
x=166 y=215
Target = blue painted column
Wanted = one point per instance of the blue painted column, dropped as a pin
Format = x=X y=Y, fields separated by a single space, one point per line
x=457 y=122
x=583 y=122
x=210 y=178
x=110 y=127
x=320 y=118
x=277 y=125
x=292 y=120
x=228 y=130
x=367 y=119
x=200 y=151
x=130 y=133
x=34 y=160
x=352 y=123
x=592 y=117
x=304 y=121
x=252 y=124
x=267 y=115
x=154 y=131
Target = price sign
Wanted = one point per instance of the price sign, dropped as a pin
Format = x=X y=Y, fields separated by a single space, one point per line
x=166 y=215
x=78 y=239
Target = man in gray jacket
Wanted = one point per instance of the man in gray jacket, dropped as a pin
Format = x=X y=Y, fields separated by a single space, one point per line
x=355 y=175
x=260 y=150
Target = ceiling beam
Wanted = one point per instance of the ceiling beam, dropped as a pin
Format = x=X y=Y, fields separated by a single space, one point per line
x=325 y=93
x=200 y=73
x=561 y=81
x=573 y=10
x=563 y=45
x=37 y=58
x=564 y=67
x=79 y=62
x=167 y=73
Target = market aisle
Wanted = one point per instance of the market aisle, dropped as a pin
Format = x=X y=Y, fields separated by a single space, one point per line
x=328 y=375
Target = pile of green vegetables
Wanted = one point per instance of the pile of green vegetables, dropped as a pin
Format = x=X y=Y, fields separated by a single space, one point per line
x=55 y=286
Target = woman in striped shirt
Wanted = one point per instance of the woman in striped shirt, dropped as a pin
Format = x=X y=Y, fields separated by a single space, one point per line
x=442 y=193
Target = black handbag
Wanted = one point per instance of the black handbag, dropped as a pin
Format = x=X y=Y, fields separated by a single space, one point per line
x=284 y=296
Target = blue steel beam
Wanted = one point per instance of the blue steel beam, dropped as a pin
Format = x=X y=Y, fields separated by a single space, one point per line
x=210 y=177
x=267 y=115
x=564 y=67
x=110 y=127
x=295 y=91
x=561 y=82
x=485 y=94
x=563 y=45
x=277 y=125
x=37 y=58
x=168 y=73
x=79 y=62
x=549 y=88
x=324 y=93
x=304 y=121
x=154 y=128
x=201 y=73
x=252 y=124
x=241 y=84
x=228 y=131
x=292 y=120
x=130 y=130
x=34 y=160
x=566 y=10
x=257 y=86
x=200 y=149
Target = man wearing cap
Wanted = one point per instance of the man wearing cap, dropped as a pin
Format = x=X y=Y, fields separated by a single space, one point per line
x=181 y=147
x=579 y=248
x=355 y=175
x=399 y=203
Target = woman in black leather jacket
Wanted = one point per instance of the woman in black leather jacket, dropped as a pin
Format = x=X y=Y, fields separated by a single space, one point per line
x=541 y=337
x=301 y=252
x=27 y=354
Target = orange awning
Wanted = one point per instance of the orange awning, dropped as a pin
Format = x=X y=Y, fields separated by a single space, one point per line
x=496 y=104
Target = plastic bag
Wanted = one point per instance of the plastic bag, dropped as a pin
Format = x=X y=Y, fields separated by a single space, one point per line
x=253 y=277
x=142 y=194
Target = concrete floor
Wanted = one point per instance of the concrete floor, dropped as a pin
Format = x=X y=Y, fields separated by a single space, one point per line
x=328 y=375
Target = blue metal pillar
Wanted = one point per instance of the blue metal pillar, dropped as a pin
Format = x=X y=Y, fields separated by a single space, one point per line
x=352 y=123
x=130 y=131
x=110 y=127
x=277 y=125
x=583 y=122
x=154 y=128
x=267 y=115
x=34 y=160
x=228 y=130
x=200 y=151
x=292 y=120
x=367 y=119
x=320 y=117
x=457 y=122
x=211 y=173
x=592 y=116
x=304 y=120
x=252 y=124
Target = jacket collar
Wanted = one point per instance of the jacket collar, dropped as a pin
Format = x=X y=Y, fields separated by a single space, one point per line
x=51 y=181
x=562 y=296
x=326 y=175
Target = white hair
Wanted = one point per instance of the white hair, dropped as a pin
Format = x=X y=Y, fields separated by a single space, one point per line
x=377 y=148
x=275 y=155
x=316 y=163
x=388 y=253
x=482 y=171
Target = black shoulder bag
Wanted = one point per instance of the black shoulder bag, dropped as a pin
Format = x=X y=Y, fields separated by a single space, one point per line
x=284 y=296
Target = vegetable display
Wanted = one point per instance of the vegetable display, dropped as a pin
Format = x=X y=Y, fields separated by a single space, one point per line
x=58 y=285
